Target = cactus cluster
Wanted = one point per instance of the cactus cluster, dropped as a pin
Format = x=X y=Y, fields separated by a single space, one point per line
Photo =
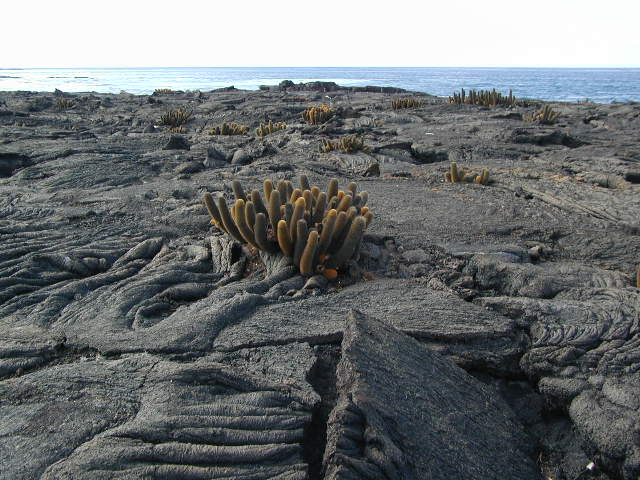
x=348 y=144
x=229 y=129
x=268 y=128
x=455 y=176
x=159 y=91
x=176 y=118
x=400 y=103
x=317 y=115
x=485 y=98
x=320 y=231
x=180 y=129
x=63 y=104
x=545 y=116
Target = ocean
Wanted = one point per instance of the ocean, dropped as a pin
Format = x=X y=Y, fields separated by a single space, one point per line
x=603 y=85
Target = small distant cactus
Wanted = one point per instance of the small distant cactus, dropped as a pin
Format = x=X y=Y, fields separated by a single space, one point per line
x=320 y=231
x=400 y=103
x=457 y=176
x=176 y=118
x=318 y=115
x=229 y=129
x=485 y=98
x=178 y=130
x=268 y=128
x=64 y=104
x=545 y=116
x=348 y=144
x=159 y=91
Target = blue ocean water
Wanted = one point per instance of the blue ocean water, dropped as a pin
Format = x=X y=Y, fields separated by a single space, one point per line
x=563 y=84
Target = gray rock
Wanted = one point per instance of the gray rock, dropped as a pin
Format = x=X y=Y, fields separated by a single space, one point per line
x=633 y=177
x=177 y=142
x=216 y=153
x=98 y=257
x=373 y=170
x=405 y=412
x=471 y=336
x=10 y=162
x=142 y=416
x=428 y=154
x=415 y=256
x=241 y=157
x=189 y=167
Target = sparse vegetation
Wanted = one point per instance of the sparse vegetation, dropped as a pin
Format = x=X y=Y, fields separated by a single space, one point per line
x=268 y=128
x=348 y=144
x=400 y=103
x=485 y=98
x=320 y=231
x=159 y=91
x=178 y=130
x=229 y=129
x=458 y=176
x=545 y=116
x=318 y=115
x=64 y=104
x=176 y=118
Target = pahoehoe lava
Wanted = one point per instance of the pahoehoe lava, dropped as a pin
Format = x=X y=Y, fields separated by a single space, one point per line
x=481 y=331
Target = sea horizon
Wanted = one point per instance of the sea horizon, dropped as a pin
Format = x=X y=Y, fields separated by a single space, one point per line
x=571 y=84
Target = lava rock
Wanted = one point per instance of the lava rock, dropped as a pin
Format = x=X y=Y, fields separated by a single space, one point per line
x=241 y=157
x=429 y=422
x=427 y=154
x=177 y=142
x=10 y=162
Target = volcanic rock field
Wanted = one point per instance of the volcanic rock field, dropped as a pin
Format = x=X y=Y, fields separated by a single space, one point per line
x=484 y=332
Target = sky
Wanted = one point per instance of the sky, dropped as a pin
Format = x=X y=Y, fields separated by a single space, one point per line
x=227 y=33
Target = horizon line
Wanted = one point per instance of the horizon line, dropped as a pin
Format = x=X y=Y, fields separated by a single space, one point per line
x=335 y=66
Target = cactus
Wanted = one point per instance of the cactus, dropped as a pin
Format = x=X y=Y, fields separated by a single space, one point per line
x=229 y=129
x=308 y=255
x=351 y=242
x=268 y=128
x=176 y=118
x=63 y=104
x=400 y=103
x=544 y=116
x=458 y=176
x=159 y=91
x=317 y=115
x=348 y=144
x=320 y=231
x=486 y=98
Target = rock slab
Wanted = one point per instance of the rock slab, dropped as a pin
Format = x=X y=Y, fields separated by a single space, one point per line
x=405 y=412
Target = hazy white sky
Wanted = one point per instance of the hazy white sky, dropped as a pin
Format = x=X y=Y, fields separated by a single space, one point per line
x=218 y=33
